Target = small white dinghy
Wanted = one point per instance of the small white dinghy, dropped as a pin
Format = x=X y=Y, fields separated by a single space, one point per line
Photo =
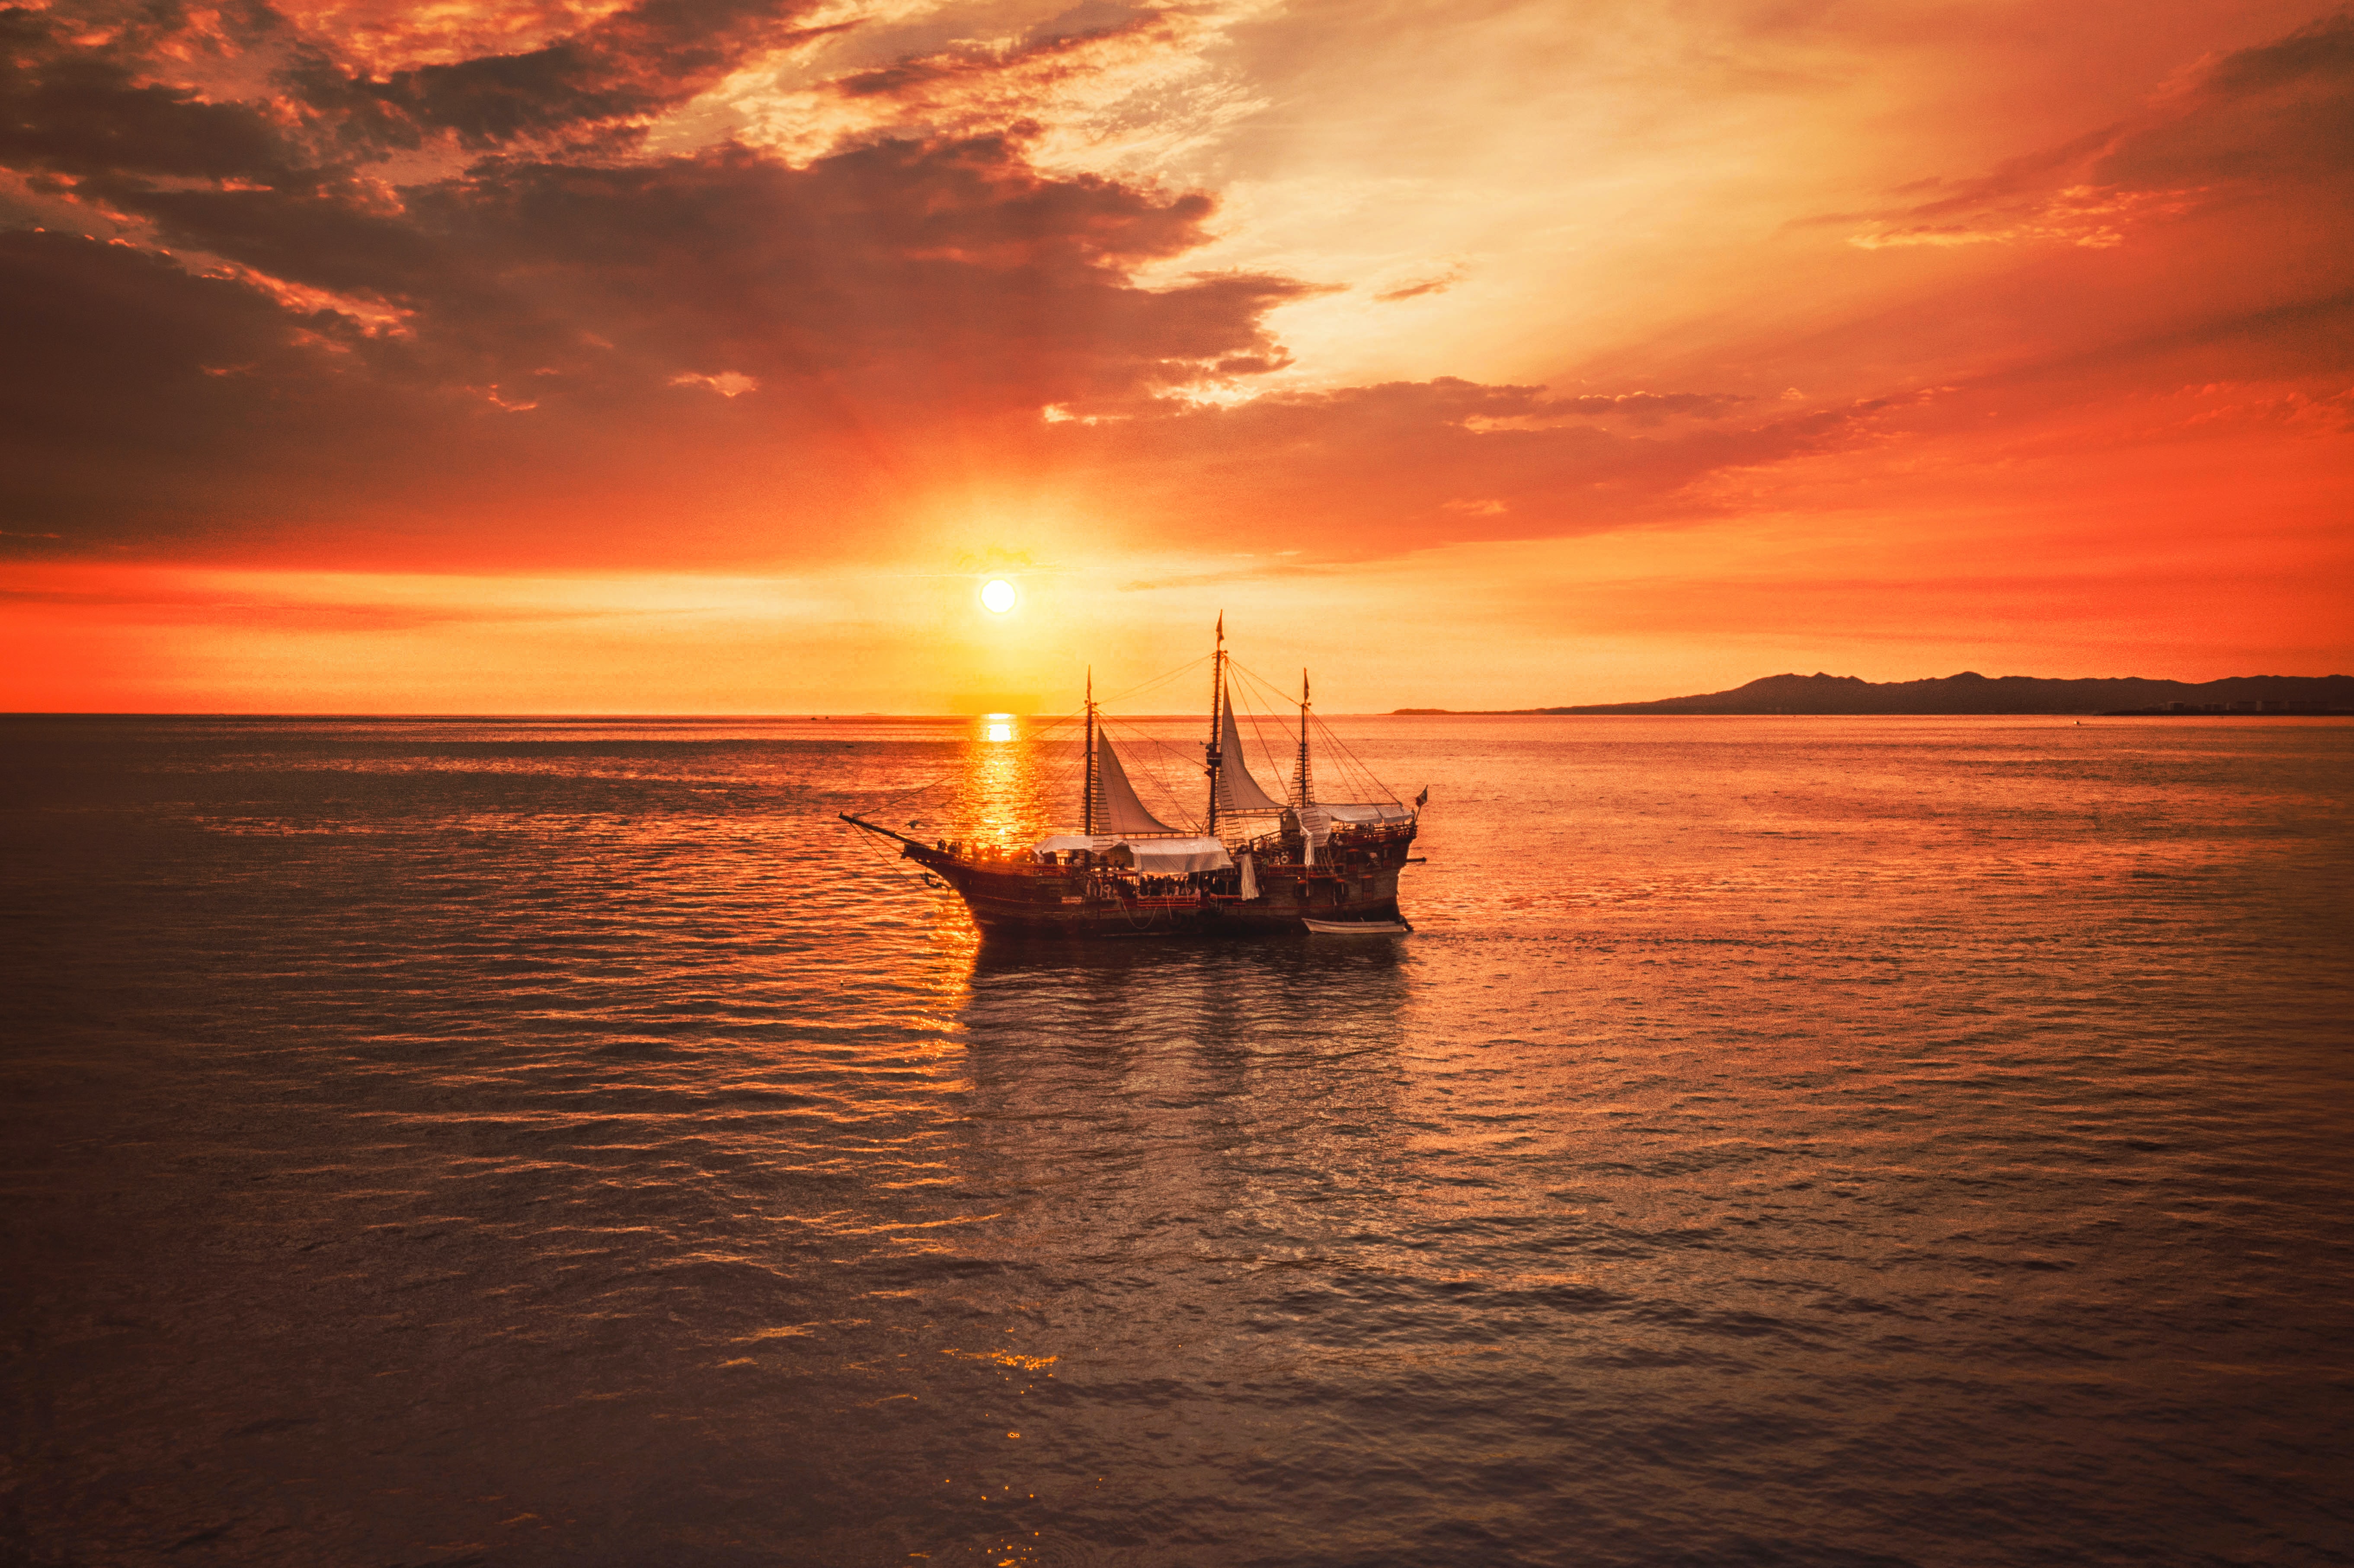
x=1358 y=927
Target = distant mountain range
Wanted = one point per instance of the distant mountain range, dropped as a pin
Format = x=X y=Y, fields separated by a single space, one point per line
x=1970 y=693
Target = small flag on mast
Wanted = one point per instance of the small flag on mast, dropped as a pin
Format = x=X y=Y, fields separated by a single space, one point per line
x=1422 y=799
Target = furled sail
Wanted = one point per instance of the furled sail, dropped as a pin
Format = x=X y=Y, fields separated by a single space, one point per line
x=1237 y=790
x=1315 y=827
x=1122 y=813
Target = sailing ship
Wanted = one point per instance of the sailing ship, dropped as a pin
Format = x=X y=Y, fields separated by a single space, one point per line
x=1261 y=866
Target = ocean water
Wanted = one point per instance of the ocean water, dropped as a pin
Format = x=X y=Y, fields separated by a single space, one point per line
x=1790 y=1141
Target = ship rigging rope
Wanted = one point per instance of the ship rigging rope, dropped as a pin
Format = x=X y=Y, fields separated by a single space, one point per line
x=1355 y=764
x=1352 y=763
x=1248 y=688
x=896 y=864
x=1163 y=679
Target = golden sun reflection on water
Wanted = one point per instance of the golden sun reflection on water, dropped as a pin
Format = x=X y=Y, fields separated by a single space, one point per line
x=999 y=780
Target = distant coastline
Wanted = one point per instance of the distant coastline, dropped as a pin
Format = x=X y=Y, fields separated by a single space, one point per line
x=1971 y=692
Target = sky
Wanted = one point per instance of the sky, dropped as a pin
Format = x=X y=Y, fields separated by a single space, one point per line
x=710 y=356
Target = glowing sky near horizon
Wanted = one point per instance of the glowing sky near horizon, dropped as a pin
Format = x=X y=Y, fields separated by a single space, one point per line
x=710 y=356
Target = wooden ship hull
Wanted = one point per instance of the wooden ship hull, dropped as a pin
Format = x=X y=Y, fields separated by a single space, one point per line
x=1264 y=865
x=1009 y=898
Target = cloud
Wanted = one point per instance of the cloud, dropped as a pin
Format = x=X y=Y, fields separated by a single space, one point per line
x=625 y=67
x=957 y=259
x=2094 y=216
x=1369 y=471
x=2257 y=121
x=1436 y=284
x=868 y=295
x=1652 y=407
x=378 y=37
x=2295 y=339
x=920 y=308
x=727 y=383
x=246 y=93
x=1102 y=86
x=354 y=233
x=2280 y=111
x=128 y=379
x=1069 y=46
x=74 y=110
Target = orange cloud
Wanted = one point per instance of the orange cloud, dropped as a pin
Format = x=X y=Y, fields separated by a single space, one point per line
x=746 y=287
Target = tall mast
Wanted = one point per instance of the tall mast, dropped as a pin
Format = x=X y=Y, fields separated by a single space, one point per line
x=1217 y=698
x=1301 y=792
x=1087 y=810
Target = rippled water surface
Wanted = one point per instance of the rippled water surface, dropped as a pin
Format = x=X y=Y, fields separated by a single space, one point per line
x=1782 y=1141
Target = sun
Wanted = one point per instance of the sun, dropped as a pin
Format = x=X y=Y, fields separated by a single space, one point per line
x=997 y=596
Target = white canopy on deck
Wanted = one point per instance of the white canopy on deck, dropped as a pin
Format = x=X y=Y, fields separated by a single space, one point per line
x=1064 y=843
x=1172 y=857
x=1318 y=819
x=1372 y=812
x=1158 y=857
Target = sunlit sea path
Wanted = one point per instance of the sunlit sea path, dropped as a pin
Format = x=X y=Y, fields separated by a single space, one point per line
x=1784 y=1141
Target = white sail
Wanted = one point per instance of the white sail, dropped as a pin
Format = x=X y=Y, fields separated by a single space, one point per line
x=1239 y=792
x=1122 y=814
